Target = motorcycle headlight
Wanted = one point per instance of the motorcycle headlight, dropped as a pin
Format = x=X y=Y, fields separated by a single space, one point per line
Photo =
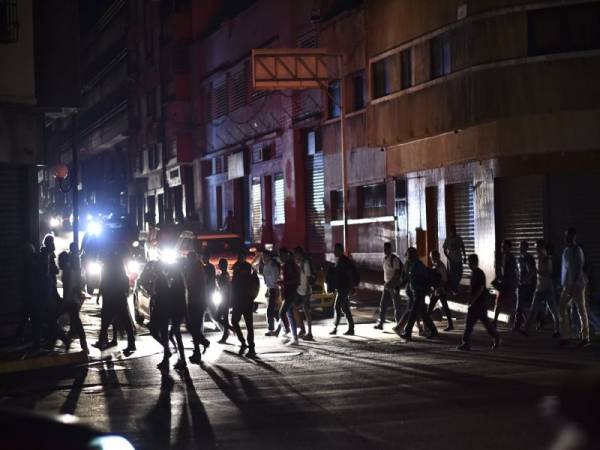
x=94 y=268
x=217 y=298
x=169 y=256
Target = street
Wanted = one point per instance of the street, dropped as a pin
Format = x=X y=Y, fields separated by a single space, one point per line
x=365 y=391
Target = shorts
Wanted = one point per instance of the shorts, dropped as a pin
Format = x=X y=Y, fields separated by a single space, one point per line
x=303 y=301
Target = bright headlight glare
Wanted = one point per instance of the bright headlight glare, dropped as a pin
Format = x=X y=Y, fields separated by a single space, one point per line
x=133 y=266
x=94 y=268
x=54 y=222
x=217 y=298
x=169 y=256
x=94 y=228
x=135 y=244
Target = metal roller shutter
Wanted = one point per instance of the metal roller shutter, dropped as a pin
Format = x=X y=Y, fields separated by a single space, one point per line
x=461 y=212
x=316 y=203
x=572 y=202
x=520 y=205
x=257 y=214
x=12 y=233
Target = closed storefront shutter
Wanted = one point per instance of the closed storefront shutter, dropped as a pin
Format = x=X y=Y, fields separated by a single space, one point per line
x=572 y=202
x=316 y=203
x=257 y=215
x=12 y=232
x=520 y=209
x=461 y=213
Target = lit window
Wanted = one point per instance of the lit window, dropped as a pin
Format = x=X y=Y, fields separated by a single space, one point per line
x=278 y=200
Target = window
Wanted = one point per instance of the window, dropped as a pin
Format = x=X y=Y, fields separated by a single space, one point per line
x=440 y=56
x=372 y=200
x=313 y=142
x=278 y=200
x=257 y=218
x=382 y=84
x=406 y=80
x=337 y=205
x=334 y=108
x=220 y=100
x=173 y=149
x=358 y=91
x=572 y=28
x=9 y=24
x=239 y=87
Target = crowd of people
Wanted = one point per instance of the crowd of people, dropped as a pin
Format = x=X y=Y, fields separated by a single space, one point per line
x=186 y=292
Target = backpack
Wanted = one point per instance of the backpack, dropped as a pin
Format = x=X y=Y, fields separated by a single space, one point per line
x=434 y=278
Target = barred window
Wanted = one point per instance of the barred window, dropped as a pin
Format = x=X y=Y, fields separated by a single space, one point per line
x=219 y=100
x=9 y=23
x=278 y=199
x=239 y=88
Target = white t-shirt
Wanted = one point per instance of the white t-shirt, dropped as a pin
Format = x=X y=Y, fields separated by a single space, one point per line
x=390 y=265
x=304 y=287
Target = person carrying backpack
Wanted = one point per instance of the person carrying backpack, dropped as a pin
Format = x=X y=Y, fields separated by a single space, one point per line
x=419 y=282
x=392 y=277
x=346 y=279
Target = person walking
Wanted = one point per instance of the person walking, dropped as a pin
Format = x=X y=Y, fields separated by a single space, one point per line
x=178 y=310
x=441 y=292
x=159 y=311
x=304 y=290
x=271 y=271
x=418 y=281
x=243 y=303
x=197 y=304
x=506 y=282
x=544 y=296
x=392 y=277
x=346 y=279
x=71 y=281
x=224 y=305
x=290 y=279
x=573 y=285
x=477 y=306
x=114 y=289
x=454 y=249
x=527 y=283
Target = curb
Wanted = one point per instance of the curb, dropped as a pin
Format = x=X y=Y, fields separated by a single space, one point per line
x=43 y=362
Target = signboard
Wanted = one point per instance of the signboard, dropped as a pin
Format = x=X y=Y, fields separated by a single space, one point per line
x=235 y=166
x=291 y=68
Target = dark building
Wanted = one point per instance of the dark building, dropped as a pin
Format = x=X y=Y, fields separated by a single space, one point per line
x=38 y=77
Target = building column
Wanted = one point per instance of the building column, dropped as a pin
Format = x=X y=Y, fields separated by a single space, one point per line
x=441 y=210
x=417 y=217
x=485 y=218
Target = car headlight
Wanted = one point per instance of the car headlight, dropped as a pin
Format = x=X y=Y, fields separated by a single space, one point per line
x=54 y=222
x=94 y=268
x=94 y=228
x=133 y=267
x=217 y=298
x=169 y=256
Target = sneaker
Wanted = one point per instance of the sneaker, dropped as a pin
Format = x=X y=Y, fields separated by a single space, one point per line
x=223 y=340
x=406 y=337
x=276 y=332
x=293 y=341
x=349 y=332
x=180 y=365
x=271 y=333
x=243 y=348
x=251 y=353
x=464 y=346
x=100 y=345
x=112 y=343
x=333 y=332
x=129 y=350
x=196 y=358
x=308 y=337
x=285 y=334
x=497 y=343
x=449 y=328
x=378 y=326
x=302 y=334
x=584 y=343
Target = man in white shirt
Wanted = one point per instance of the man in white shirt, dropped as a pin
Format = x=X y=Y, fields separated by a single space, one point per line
x=573 y=284
x=392 y=273
x=304 y=290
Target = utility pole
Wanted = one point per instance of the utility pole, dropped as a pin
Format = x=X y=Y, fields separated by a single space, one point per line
x=75 y=178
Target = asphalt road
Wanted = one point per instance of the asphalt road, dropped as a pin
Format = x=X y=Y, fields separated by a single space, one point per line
x=369 y=391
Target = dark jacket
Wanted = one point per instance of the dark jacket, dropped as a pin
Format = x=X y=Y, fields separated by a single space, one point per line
x=344 y=273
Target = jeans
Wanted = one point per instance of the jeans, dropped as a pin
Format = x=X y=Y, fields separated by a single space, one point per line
x=524 y=300
x=478 y=311
x=441 y=296
x=246 y=312
x=541 y=299
x=287 y=312
x=417 y=310
x=272 y=312
x=115 y=310
x=566 y=299
x=393 y=295
x=196 y=324
x=342 y=306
